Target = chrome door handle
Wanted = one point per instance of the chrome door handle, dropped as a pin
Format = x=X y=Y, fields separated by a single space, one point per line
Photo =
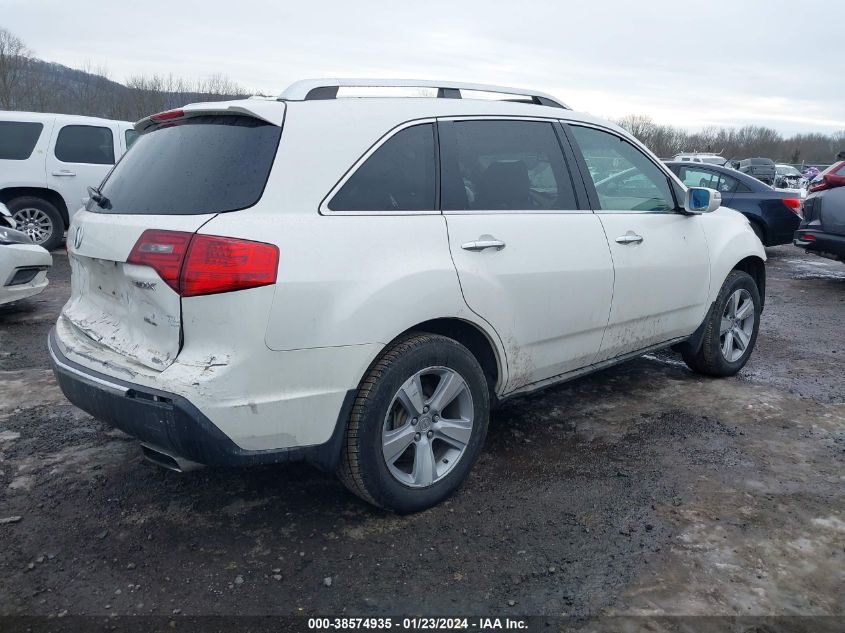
x=482 y=243
x=629 y=238
x=64 y=172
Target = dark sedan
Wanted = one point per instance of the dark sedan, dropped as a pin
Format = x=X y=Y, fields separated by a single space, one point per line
x=774 y=215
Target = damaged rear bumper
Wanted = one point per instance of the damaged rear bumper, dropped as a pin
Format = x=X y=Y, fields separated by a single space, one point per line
x=169 y=422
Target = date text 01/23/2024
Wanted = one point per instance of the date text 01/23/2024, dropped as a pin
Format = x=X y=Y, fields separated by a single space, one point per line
x=418 y=624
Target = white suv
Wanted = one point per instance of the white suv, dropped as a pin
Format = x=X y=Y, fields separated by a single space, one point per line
x=356 y=281
x=47 y=162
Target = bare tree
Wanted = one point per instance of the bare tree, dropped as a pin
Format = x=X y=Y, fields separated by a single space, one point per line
x=14 y=61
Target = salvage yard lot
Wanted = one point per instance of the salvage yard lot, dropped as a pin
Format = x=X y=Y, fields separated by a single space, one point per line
x=641 y=489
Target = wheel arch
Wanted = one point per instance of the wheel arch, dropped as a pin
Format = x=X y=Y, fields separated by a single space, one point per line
x=50 y=195
x=758 y=221
x=755 y=267
x=476 y=340
x=733 y=246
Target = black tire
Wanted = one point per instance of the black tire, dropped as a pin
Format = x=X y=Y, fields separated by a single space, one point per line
x=363 y=468
x=57 y=225
x=709 y=359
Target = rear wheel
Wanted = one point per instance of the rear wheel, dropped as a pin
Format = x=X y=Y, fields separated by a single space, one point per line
x=39 y=219
x=731 y=329
x=417 y=424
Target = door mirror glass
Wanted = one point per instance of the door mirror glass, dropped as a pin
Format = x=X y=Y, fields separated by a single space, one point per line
x=702 y=200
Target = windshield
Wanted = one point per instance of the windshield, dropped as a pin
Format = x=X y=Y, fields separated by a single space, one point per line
x=788 y=170
x=713 y=160
x=202 y=164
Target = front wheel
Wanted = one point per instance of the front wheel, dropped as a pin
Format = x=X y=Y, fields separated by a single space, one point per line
x=731 y=328
x=39 y=219
x=417 y=424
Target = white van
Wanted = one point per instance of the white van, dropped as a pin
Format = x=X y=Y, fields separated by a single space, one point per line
x=47 y=163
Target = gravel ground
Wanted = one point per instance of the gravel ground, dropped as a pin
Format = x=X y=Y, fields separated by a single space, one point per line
x=644 y=489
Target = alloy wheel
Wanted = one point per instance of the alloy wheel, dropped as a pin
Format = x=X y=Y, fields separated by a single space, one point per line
x=427 y=427
x=35 y=223
x=737 y=325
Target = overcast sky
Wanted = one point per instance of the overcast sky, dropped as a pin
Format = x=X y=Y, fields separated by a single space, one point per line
x=691 y=64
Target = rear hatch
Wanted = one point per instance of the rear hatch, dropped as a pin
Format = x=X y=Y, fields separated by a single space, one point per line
x=129 y=249
x=824 y=208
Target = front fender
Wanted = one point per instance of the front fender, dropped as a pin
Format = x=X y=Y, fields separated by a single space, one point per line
x=730 y=239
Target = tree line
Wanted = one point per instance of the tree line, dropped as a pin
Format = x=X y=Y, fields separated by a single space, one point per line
x=750 y=141
x=29 y=83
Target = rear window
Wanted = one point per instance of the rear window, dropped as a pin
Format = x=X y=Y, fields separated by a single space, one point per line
x=18 y=139
x=203 y=164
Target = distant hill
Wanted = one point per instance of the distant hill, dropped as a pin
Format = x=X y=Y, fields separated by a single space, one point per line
x=49 y=87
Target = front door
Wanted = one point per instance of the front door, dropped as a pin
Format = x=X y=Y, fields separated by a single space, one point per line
x=660 y=255
x=531 y=261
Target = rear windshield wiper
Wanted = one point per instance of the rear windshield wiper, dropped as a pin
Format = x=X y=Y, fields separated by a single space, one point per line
x=97 y=196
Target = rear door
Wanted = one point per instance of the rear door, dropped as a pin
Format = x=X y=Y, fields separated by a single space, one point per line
x=660 y=256
x=179 y=175
x=532 y=260
x=80 y=156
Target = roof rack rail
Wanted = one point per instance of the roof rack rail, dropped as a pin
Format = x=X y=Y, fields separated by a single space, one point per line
x=317 y=89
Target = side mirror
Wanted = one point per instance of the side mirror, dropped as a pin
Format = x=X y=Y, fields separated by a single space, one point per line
x=702 y=200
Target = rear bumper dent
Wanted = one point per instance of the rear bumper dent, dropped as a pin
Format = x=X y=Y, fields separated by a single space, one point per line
x=170 y=422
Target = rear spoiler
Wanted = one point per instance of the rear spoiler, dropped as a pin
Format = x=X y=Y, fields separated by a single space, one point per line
x=269 y=110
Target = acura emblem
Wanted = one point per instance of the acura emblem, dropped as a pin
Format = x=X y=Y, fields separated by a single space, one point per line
x=77 y=238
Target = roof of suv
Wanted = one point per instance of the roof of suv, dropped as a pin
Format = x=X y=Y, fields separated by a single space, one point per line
x=43 y=117
x=399 y=108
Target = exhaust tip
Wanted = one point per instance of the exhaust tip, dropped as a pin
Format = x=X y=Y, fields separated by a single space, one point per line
x=167 y=460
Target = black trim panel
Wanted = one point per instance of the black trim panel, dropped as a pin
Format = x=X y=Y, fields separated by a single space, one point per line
x=824 y=242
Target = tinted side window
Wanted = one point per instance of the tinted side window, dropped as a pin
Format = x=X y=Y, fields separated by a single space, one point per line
x=625 y=179
x=398 y=176
x=85 y=144
x=695 y=177
x=504 y=165
x=131 y=137
x=18 y=139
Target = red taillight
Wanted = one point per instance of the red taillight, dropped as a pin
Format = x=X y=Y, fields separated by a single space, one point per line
x=163 y=251
x=167 y=116
x=196 y=265
x=794 y=205
x=221 y=264
x=808 y=237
